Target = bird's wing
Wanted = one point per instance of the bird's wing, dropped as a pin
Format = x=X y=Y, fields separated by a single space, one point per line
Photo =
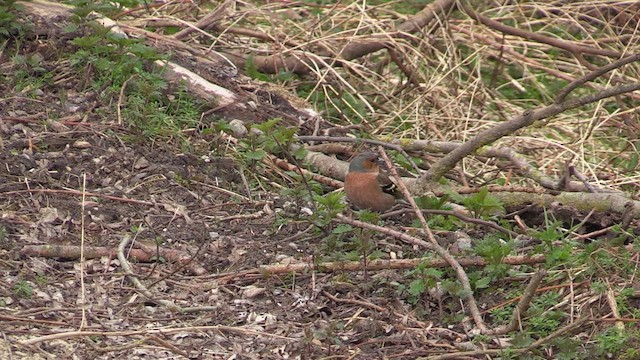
x=386 y=183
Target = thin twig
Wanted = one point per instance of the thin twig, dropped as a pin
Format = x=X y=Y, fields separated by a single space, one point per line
x=79 y=193
x=522 y=306
x=136 y=282
x=460 y=273
x=464 y=218
x=394 y=233
x=575 y=49
x=479 y=353
x=594 y=74
x=164 y=331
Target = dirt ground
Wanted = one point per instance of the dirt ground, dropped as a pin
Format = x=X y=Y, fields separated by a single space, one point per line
x=194 y=202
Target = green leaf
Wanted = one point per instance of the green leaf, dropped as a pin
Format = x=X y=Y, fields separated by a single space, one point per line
x=416 y=287
x=342 y=229
x=251 y=70
x=86 y=41
x=483 y=282
x=256 y=155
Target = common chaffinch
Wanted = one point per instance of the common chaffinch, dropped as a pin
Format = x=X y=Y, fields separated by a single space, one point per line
x=366 y=186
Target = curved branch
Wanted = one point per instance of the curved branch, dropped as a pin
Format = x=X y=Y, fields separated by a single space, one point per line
x=571 y=47
x=124 y=263
x=594 y=74
x=522 y=166
x=527 y=118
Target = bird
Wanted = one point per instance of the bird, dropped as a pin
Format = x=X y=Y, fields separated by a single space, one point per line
x=366 y=186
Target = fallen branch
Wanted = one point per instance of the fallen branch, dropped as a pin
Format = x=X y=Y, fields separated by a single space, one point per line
x=163 y=331
x=462 y=217
x=137 y=283
x=393 y=145
x=72 y=252
x=394 y=233
x=285 y=165
x=522 y=166
x=444 y=253
x=303 y=62
x=310 y=265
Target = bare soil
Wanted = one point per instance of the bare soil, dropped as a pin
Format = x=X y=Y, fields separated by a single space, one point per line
x=57 y=153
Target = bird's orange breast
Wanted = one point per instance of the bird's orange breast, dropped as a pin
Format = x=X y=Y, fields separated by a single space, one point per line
x=364 y=192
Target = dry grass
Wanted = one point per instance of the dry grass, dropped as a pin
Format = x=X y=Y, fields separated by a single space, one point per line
x=465 y=76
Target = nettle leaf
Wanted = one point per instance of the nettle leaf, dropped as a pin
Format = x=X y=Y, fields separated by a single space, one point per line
x=252 y=71
x=434 y=273
x=86 y=41
x=483 y=282
x=256 y=154
x=331 y=200
x=342 y=229
x=300 y=153
x=144 y=51
x=417 y=287
x=103 y=64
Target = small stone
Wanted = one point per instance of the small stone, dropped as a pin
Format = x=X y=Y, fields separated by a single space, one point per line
x=58 y=126
x=6 y=300
x=72 y=108
x=252 y=291
x=141 y=163
x=238 y=128
x=81 y=144
x=257 y=132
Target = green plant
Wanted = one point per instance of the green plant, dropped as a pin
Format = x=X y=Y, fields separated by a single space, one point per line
x=265 y=138
x=117 y=64
x=568 y=348
x=112 y=60
x=554 y=244
x=622 y=299
x=423 y=278
x=327 y=207
x=540 y=320
x=156 y=115
x=3 y=233
x=336 y=240
x=30 y=73
x=612 y=341
x=437 y=221
x=82 y=8
x=41 y=279
x=12 y=22
x=502 y=314
x=23 y=289
x=481 y=204
x=493 y=249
